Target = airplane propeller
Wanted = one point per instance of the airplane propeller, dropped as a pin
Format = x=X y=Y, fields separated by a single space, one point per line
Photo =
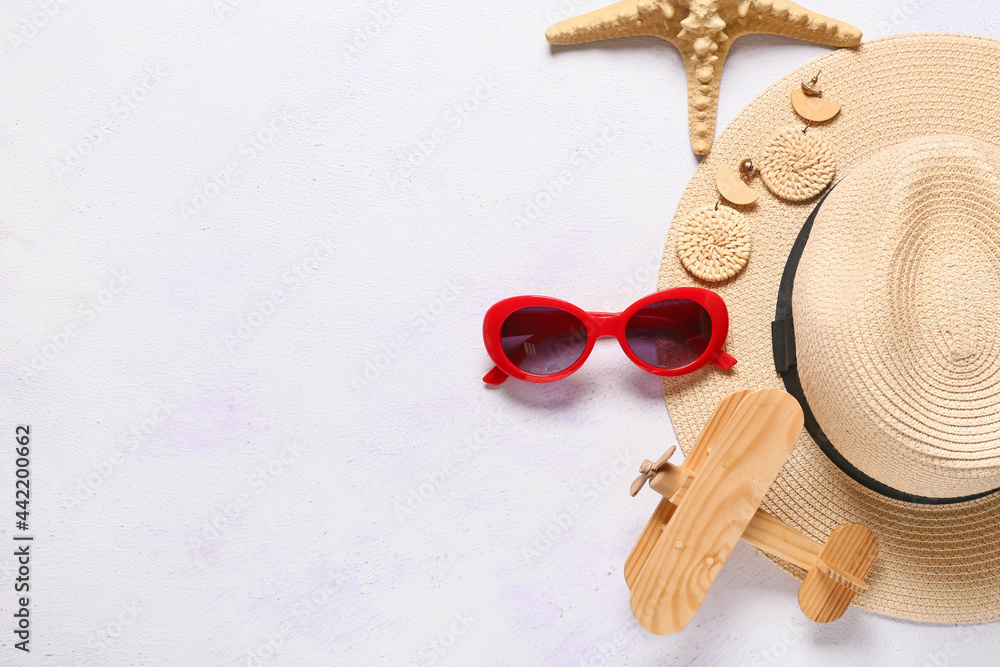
x=648 y=470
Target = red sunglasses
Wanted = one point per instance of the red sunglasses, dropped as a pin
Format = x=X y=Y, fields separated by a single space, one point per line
x=671 y=332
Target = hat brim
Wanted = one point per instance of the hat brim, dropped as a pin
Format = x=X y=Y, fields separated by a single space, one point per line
x=936 y=563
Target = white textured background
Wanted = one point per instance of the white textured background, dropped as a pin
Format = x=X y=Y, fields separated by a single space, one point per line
x=245 y=250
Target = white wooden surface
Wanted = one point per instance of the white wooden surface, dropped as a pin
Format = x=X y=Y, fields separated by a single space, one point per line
x=245 y=249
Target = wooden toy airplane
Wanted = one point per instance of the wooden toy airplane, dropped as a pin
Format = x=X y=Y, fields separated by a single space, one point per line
x=714 y=499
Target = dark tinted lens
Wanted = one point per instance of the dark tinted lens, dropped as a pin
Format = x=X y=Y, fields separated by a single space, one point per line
x=543 y=340
x=669 y=334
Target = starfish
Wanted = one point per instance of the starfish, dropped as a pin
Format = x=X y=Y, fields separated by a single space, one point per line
x=703 y=31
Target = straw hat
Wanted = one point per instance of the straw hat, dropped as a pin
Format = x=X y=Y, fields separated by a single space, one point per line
x=892 y=298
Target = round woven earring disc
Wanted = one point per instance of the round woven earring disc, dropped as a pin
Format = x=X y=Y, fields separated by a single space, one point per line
x=797 y=165
x=714 y=243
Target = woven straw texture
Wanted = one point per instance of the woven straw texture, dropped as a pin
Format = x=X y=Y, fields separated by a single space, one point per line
x=714 y=243
x=797 y=165
x=937 y=563
x=896 y=309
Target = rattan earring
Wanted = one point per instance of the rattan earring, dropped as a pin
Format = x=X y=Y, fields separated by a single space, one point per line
x=713 y=243
x=798 y=163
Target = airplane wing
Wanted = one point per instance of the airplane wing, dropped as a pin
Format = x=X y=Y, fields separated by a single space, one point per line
x=747 y=452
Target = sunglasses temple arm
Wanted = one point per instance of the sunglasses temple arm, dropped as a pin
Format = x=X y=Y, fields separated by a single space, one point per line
x=723 y=360
x=495 y=376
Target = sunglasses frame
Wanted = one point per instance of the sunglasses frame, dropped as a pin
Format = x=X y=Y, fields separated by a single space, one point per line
x=601 y=325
